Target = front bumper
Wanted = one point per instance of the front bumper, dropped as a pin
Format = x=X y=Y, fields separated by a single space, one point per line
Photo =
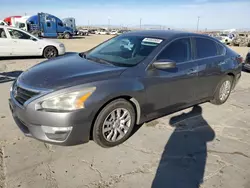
x=61 y=50
x=31 y=123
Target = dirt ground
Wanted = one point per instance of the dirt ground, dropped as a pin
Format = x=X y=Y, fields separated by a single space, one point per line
x=207 y=146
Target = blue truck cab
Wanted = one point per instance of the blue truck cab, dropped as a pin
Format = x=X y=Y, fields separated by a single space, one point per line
x=47 y=25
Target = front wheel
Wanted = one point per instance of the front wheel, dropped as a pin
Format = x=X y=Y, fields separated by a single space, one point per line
x=114 y=123
x=223 y=91
x=50 y=52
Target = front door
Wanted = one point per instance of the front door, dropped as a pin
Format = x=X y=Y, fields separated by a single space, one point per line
x=172 y=88
x=23 y=44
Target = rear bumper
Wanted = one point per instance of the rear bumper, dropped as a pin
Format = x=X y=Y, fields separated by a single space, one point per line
x=237 y=78
x=32 y=123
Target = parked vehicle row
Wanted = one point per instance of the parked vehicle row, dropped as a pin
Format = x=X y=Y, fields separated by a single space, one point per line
x=241 y=39
x=44 y=25
x=126 y=81
x=16 y=42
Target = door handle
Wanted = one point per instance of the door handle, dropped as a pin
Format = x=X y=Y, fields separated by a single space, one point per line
x=192 y=71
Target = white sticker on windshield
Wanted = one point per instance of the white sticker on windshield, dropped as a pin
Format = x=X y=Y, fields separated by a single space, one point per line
x=152 y=40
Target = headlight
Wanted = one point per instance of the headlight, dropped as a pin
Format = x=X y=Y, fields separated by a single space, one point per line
x=61 y=45
x=68 y=101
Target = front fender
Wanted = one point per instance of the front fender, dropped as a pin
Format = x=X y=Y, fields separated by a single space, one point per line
x=109 y=90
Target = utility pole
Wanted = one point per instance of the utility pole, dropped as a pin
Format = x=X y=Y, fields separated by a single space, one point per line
x=140 y=22
x=198 y=22
x=108 y=23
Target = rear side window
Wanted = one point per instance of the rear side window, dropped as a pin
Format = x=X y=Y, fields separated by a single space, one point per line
x=2 y=33
x=205 y=48
x=178 y=51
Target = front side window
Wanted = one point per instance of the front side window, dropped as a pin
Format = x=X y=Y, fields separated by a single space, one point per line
x=178 y=51
x=48 y=24
x=205 y=48
x=2 y=34
x=125 y=50
x=15 y=34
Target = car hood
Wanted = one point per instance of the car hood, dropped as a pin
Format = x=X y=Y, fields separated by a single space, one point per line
x=66 y=71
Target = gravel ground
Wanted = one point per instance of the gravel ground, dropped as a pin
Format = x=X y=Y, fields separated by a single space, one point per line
x=208 y=146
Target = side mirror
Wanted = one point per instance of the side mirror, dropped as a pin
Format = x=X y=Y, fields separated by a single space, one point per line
x=164 y=64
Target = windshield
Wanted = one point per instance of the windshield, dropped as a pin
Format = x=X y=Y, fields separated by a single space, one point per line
x=125 y=50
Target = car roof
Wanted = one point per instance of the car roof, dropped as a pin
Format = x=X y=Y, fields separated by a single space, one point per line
x=164 y=34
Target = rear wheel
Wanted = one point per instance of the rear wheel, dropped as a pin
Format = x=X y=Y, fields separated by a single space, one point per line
x=223 y=91
x=114 y=123
x=50 y=52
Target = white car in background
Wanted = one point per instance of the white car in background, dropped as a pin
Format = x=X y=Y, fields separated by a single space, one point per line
x=102 y=32
x=114 y=32
x=16 y=42
x=227 y=38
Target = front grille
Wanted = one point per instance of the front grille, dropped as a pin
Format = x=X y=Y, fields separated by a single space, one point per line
x=22 y=95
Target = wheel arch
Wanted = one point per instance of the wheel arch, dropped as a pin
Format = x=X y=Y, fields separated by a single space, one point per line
x=226 y=74
x=49 y=46
x=134 y=102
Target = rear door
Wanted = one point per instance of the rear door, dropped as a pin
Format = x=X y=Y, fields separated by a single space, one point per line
x=6 y=43
x=23 y=44
x=209 y=56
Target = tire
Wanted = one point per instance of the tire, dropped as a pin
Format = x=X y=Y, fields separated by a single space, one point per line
x=105 y=120
x=50 y=52
x=67 y=36
x=218 y=98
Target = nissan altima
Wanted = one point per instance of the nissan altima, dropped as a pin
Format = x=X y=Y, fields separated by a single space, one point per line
x=130 y=79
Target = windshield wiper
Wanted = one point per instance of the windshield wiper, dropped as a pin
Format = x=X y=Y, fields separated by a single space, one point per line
x=83 y=54
x=99 y=60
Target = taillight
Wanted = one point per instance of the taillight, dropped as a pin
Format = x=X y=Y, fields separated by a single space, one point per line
x=239 y=59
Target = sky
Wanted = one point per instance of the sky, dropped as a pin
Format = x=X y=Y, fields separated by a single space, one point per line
x=178 y=14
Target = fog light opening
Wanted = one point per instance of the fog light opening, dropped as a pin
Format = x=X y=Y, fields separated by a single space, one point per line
x=56 y=133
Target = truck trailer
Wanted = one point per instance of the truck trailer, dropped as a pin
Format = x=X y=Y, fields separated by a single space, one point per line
x=70 y=22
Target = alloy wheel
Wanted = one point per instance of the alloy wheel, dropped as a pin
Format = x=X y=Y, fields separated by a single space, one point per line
x=225 y=90
x=116 y=125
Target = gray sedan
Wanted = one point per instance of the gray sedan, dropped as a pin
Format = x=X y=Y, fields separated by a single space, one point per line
x=126 y=81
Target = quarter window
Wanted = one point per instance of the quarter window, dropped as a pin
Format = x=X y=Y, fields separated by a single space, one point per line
x=221 y=49
x=205 y=48
x=178 y=51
